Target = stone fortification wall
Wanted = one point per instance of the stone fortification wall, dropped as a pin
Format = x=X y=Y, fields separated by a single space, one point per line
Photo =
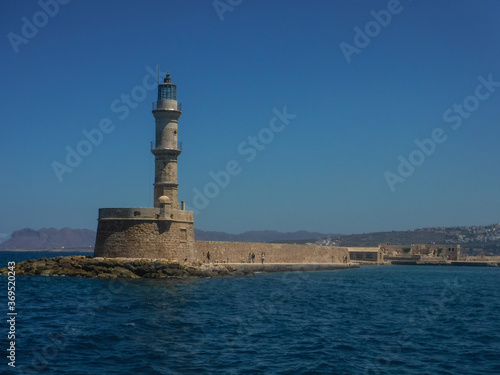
x=443 y=251
x=479 y=258
x=145 y=213
x=129 y=213
x=174 y=240
x=365 y=254
x=237 y=252
x=142 y=238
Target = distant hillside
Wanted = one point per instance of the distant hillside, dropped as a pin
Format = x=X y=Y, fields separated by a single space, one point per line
x=475 y=240
x=394 y=237
x=70 y=238
x=259 y=236
x=49 y=238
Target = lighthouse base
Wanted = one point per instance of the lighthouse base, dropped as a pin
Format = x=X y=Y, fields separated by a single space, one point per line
x=145 y=233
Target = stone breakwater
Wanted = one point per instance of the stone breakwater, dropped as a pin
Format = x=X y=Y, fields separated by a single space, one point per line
x=445 y=263
x=112 y=268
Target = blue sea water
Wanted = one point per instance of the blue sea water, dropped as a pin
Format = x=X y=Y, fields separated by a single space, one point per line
x=371 y=320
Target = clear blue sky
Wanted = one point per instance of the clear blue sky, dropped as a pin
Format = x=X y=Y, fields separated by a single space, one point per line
x=326 y=170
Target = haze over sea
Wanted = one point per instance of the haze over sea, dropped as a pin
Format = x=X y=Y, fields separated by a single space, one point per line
x=371 y=320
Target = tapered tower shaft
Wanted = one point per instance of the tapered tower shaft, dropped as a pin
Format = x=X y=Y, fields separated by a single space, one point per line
x=166 y=111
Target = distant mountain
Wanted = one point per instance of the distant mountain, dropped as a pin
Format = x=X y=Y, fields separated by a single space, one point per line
x=52 y=238
x=475 y=240
x=49 y=238
x=394 y=237
x=259 y=236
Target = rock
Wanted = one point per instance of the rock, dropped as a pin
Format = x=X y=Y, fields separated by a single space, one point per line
x=123 y=273
x=174 y=272
x=65 y=261
x=106 y=276
x=77 y=273
x=129 y=266
x=237 y=273
x=145 y=269
x=154 y=275
x=223 y=272
x=111 y=268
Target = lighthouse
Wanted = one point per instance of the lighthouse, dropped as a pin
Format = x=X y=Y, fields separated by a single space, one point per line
x=167 y=112
x=164 y=231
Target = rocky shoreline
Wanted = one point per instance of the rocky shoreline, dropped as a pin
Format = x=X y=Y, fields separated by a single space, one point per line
x=112 y=268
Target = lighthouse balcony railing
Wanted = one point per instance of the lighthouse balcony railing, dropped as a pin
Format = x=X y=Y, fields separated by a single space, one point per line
x=153 y=147
x=163 y=105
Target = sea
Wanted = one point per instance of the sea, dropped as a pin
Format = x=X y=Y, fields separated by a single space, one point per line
x=370 y=320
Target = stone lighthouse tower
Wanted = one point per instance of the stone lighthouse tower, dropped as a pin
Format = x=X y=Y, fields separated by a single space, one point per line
x=165 y=230
x=166 y=111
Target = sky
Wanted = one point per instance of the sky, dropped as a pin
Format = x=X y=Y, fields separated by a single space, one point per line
x=329 y=116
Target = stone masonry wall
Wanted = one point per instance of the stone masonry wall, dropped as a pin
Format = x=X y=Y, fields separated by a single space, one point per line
x=237 y=252
x=145 y=239
x=164 y=239
x=443 y=251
